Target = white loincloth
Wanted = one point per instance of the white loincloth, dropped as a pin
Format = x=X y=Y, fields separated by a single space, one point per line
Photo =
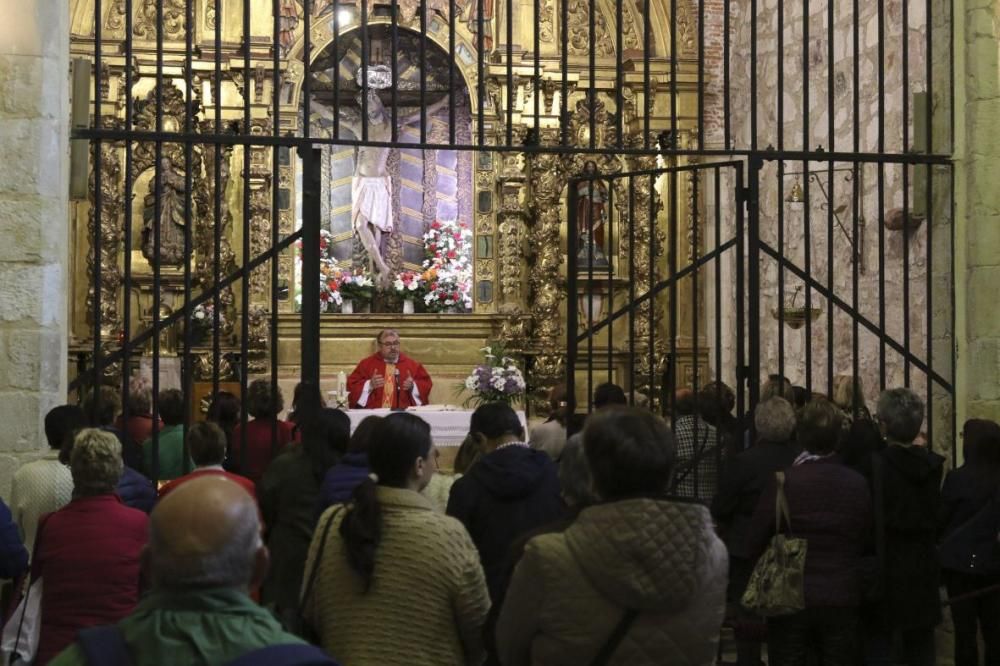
x=372 y=201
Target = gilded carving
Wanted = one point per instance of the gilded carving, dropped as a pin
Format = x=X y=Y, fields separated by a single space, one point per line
x=116 y=16
x=546 y=29
x=203 y=367
x=694 y=243
x=484 y=269
x=170 y=167
x=579 y=31
x=260 y=235
x=205 y=194
x=687 y=28
x=146 y=18
x=511 y=224
x=111 y=208
x=259 y=327
x=547 y=177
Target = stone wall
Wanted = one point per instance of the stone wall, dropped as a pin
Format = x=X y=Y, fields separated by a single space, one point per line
x=978 y=174
x=34 y=121
x=807 y=228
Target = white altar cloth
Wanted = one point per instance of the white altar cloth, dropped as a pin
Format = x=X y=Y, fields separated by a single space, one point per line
x=449 y=426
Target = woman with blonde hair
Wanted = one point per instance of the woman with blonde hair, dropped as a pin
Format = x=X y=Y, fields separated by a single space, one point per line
x=87 y=553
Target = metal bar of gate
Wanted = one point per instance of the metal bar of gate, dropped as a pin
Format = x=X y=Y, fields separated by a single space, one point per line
x=311 y=192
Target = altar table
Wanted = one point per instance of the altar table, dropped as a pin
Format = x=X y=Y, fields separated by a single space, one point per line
x=448 y=426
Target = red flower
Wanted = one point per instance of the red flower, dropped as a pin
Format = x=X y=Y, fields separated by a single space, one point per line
x=443 y=297
x=434 y=286
x=454 y=297
x=458 y=236
x=452 y=255
x=432 y=247
x=323 y=297
x=435 y=225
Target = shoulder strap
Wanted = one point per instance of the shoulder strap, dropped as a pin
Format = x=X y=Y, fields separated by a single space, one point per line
x=615 y=639
x=781 y=509
x=104 y=646
x=307 y=592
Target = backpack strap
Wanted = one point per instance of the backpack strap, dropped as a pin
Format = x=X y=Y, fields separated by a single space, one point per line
x=284 y=655
x=615 y=639
x=104 y=646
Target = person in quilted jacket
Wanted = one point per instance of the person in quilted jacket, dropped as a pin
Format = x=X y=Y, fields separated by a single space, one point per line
x=638 y=578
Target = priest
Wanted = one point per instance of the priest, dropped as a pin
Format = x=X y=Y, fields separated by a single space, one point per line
x=388 y=379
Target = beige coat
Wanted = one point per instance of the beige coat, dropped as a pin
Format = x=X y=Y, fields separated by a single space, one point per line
x=570 y=589
x=428 y=601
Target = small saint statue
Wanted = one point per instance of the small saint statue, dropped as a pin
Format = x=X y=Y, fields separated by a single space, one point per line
x=591 y=218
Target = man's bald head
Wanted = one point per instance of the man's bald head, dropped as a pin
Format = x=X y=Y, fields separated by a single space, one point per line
x=206 y=533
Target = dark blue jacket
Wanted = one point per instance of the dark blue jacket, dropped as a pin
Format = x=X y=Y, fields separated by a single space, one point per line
x=506 y=493
x=341 y=479
x=13 y=554
x=136 y=490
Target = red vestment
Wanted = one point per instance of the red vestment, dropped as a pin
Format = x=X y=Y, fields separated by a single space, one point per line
x=375 y=365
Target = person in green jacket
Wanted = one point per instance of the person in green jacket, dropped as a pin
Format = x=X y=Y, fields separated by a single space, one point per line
x=205 y=553
x=170 y=441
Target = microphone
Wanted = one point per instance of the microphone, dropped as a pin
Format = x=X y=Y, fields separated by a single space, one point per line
x=395 y=373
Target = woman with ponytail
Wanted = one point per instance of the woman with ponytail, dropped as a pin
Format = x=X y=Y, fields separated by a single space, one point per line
x=389 y=580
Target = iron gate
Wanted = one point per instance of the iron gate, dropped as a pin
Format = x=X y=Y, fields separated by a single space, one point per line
x=691 y=83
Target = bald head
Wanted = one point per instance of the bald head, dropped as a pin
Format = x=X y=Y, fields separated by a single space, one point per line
x=206 y=533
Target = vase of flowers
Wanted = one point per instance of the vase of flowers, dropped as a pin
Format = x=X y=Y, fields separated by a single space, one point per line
x=497 y=379
x=409 y=286
x=448 y=267
x=358 y=288
x=203 y=321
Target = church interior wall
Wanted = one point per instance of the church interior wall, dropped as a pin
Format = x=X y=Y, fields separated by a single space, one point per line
x=526 y=224
x=900 y=247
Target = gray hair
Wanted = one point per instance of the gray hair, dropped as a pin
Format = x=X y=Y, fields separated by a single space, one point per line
x=775 y=419
x=574 y=474
x=378 y=338
x=901 y=412
x=95 y=462
x=232 y=565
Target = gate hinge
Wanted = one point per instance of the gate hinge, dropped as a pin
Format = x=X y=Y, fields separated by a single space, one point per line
x=742 y=194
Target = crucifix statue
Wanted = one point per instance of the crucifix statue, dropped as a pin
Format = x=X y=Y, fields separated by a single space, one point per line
x=371 y=186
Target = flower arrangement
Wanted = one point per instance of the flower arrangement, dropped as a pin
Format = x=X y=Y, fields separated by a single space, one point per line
x=497 y=379
x=329 y=274
x=448 y=266
x=408 y=284
x=203 y=320
x=356 y=286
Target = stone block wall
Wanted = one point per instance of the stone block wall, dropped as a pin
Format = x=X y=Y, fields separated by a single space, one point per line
x=979 y=164
x=34 y=122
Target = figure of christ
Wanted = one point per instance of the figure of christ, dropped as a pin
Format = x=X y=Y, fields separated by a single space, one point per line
x=371 y=187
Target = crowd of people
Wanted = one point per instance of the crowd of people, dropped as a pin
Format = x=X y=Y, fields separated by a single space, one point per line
x=621 y=537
